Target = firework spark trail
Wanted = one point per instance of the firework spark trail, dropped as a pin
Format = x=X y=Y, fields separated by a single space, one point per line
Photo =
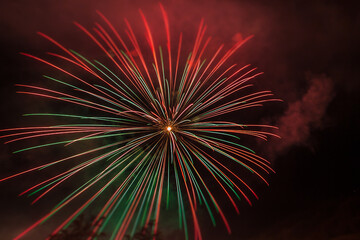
x=163 y=113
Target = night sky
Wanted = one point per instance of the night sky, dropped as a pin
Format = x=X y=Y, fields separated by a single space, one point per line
x=308 y=51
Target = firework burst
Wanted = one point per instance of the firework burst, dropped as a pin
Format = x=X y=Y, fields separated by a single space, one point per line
x=159 y=116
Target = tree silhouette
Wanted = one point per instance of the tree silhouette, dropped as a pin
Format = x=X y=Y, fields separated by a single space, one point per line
x=82 y=228
x=79 y=229
x=145 y=233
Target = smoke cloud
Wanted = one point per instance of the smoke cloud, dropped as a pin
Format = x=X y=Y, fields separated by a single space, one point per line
x=304 y=115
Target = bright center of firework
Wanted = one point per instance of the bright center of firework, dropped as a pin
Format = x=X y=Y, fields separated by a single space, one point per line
x=169 y=128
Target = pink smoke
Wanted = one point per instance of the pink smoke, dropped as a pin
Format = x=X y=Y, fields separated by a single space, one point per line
x=305 y=114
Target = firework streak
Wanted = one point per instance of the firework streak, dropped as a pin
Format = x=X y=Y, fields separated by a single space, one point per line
x=160 y=112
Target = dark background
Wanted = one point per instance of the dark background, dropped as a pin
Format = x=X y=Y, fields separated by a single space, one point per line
x=308 y=51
